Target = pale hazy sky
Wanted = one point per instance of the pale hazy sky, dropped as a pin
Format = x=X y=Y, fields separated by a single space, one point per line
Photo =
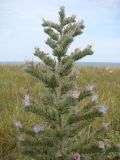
x=21 y=30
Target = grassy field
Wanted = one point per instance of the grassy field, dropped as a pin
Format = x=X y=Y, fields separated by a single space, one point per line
x=14 y=82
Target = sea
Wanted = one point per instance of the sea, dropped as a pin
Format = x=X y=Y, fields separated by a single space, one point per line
x=82 y=64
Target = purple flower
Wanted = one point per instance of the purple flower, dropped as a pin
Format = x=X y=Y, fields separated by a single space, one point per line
x=101 y=145
x=102 y=109
x=37 y=128
x=26 y=100
x=94 y=98
x=18 y=125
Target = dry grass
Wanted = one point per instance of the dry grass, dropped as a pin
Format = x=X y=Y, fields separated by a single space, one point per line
x=14 y=82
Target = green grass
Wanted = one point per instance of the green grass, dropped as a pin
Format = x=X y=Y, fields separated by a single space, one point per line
x=14 y=82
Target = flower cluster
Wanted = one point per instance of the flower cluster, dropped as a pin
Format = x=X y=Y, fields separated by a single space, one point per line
x=102 y=109
x=26 y=100
x=37 y=128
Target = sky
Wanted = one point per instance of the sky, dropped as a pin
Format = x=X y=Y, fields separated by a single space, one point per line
x=21 y=30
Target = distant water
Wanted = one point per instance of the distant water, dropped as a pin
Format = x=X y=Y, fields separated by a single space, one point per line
x=12 y=63
x=98 y=64
x=89 y=64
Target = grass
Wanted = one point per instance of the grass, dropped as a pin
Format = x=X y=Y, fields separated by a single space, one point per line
x=14 y=82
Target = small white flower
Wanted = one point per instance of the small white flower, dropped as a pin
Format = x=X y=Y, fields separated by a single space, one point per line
x=90 y=87
x=94 y=98
x=18 y=125
x=102 y=109
x=26 y=100
x=101 y=145
x=74 y=94
x=37 y=128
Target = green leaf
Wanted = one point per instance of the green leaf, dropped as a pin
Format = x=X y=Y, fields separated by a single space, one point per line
x=50 y=24
x=69 y=20
x=51 y=43
x=80 y=54
x=46 y=59
x=53 y=35
x=62 y=15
